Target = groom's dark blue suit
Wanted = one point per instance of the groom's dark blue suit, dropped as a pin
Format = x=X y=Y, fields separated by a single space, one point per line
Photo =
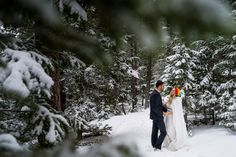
x=156 y=114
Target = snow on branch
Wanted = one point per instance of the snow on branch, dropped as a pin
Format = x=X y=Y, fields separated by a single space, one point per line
x=227 y=85
x=133 y=73
x=52 y=127
x=232 y=55
x=8 y=142
x=220 y=64
x=81 y=124
x=23 y=73
x=173 y=57
x=75 y=8
x=206 y=80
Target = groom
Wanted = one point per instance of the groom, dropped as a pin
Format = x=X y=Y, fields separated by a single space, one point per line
x=156 y=114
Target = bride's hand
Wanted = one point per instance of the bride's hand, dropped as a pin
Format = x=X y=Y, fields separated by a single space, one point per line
x=167 y=113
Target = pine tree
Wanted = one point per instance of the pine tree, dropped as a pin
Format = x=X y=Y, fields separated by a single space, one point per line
x=202 y=71
x=178 y=70
x=225 y=68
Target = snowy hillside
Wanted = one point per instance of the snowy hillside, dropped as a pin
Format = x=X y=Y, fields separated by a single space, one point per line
x=206 y=141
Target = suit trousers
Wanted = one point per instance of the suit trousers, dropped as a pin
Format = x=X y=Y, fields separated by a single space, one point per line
x=155 y=139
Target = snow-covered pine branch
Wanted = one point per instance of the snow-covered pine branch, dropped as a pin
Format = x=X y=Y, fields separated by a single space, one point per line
x=206 y=80
x=133 y=73
x=9 y=143
x=23 y=73
x=79 y=117
x=49 y=127
x=75 y=8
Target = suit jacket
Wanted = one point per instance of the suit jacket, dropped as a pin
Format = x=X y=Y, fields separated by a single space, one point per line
x=156 y=106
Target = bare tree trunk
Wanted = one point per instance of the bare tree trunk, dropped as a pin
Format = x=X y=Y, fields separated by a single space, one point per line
x=213 y=116
x=205 y=115
x=134 y=80
x=143 y=98
x=55 y=73
x=134 y=93
x=56 y=99
x=123 y=108
x=186 y=109
x=63 y=95
x=148 y=81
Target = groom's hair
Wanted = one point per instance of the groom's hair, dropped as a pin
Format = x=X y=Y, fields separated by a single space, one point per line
x=159 y=83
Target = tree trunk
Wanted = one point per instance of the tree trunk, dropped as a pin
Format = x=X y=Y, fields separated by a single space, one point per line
x=143 y=97
x=134 y=93
x=148 y=80
x=134 y=80
x=123 y=108
x=55 y=73
x=62 y=95
x=186 y=109
x=56 y=98
x=205 y=115
x=213 y=117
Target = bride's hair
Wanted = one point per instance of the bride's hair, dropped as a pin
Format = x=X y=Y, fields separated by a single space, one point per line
x=171 y=97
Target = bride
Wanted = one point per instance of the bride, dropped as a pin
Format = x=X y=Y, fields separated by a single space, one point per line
x=175 y=123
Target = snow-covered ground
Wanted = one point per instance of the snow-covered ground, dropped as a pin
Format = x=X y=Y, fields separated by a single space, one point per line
x=206 y=141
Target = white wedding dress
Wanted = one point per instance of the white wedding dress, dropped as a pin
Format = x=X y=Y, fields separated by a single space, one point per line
x=175 y=126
